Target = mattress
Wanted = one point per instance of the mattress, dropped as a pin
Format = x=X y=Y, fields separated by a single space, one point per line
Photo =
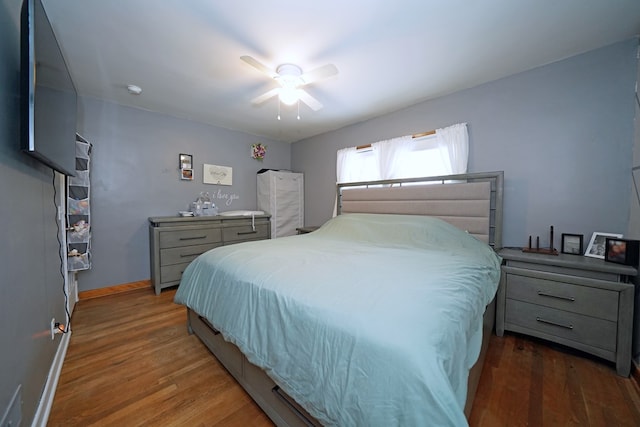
x=371 y=320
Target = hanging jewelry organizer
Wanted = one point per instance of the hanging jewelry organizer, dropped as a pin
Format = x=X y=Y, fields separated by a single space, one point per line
x=78 y=210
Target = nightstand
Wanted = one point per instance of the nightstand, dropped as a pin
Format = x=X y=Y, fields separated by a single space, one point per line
x=307 y=229
x=581 y=302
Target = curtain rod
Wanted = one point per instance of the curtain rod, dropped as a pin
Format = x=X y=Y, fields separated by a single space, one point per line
x=415 y=135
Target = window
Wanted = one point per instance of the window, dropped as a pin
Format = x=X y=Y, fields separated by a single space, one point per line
x=443 y=153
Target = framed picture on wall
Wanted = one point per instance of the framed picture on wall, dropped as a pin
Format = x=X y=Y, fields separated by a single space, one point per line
x=186 y=161
x=186 y=174
x=598 y=243
x=571 y=244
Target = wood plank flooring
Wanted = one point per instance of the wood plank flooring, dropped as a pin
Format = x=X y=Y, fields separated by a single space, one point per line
x=131 y=362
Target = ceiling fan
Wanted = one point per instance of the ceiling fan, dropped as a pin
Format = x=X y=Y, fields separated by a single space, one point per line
x=291 y=80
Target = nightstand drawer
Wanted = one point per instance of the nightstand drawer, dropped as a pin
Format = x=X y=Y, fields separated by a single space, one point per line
x=184 y=254
x=201 y=236
x=575 y=327
x=600 y=303
x=245 y=233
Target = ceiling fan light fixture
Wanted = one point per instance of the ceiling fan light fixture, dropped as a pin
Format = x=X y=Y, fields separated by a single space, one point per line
x=291 y=81
x=289 y=95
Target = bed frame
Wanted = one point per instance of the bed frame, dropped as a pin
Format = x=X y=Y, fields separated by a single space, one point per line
x=471 y=202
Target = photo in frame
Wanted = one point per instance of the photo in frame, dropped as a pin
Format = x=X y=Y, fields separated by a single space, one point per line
x=598 y=243
x=186 y=161
x=622 y=251
x=572 y=244
x=186 y=174
x=186 y=166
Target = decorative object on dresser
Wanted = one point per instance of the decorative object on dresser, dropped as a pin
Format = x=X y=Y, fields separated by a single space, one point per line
x=596 y=247
x=572 y=244
x=550 y=250
x=176 y=241
x=281 y=195
x=622 y=251
x=580 y=302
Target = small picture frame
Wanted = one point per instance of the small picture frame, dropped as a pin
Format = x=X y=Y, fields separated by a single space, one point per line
x=186 y=166
x=598 y=244
x=622 y=251
x=572 y=244
x=186 y=174
x=186 y=161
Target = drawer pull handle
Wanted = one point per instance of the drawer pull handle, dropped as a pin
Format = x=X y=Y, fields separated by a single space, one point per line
x=241 y=233
x=546 y=294
x=193 y=238
x=549 y=322
x=188 y=255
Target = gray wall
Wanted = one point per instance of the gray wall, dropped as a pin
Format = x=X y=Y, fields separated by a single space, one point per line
x=562 y=133
x=634 y=219
x=135 y=175
x=31 y=289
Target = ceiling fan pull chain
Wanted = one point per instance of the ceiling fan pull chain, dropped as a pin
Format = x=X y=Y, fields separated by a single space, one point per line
x=298 y=109
x=278 y=108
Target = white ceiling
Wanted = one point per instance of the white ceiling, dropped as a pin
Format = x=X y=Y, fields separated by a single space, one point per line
x=185 y=54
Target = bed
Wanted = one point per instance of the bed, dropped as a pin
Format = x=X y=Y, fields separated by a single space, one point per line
x=380 y=317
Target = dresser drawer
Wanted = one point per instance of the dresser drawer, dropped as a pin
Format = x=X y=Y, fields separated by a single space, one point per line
x=201 y=236
x=184 y=253
x=245 y=233
x=600 y=303
x=172 y=273
x=575 y=327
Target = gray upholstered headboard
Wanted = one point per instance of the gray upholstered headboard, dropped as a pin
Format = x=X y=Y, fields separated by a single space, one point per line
x=471 y=202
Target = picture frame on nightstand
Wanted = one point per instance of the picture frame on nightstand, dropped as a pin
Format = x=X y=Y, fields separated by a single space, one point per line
x=598 y=243
x=622 y=251
x=571 y=244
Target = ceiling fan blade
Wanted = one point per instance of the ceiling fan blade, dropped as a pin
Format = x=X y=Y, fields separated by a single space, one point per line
x=319 y=73
x=313 y=103
x=262 y=98
x=259 y=66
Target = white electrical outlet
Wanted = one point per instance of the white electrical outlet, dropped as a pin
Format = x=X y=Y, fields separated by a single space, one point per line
x=53 y=328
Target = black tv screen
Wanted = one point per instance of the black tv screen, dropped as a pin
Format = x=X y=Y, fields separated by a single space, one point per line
x=49 y=97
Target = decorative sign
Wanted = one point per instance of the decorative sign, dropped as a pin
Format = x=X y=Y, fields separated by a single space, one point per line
x=227 y=197
x=221 y=175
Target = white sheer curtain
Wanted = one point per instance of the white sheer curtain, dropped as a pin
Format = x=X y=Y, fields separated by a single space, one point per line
x=444 y=153
x=390 y=154
x=453 y=144
x=355 y=165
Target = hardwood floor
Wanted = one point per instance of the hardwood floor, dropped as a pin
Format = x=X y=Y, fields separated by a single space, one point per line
x=131 y=362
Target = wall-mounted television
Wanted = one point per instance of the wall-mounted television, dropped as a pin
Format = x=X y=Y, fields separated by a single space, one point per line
x=48 y=95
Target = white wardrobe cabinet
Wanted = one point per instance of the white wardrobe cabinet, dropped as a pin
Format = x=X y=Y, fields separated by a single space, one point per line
x=281 y=195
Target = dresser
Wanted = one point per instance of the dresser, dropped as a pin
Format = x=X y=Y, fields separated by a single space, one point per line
x=176 y=241
x=581 y=302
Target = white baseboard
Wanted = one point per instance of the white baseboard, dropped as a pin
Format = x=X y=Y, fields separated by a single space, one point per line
x=49 y=392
